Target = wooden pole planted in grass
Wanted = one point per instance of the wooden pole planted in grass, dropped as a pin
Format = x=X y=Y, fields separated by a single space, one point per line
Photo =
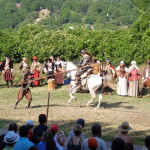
x=47 y=106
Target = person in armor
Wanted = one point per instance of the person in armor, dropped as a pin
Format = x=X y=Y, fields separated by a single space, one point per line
x=145 y=78
x=25 y=67
x=84 y=62
x=7 y=69
x=110 y=74
x=24 y=89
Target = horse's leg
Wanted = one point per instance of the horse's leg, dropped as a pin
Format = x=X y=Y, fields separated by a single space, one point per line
x=100 y=96
x=93 y=94
x=72 y=91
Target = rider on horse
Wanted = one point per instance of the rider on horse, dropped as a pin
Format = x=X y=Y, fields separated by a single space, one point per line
x=84 y=62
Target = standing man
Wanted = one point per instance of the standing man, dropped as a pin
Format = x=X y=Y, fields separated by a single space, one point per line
x=145 y=78
x=7 y=68
x=24 y=90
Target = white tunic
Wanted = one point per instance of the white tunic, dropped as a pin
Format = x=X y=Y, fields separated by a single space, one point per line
x=122 y=86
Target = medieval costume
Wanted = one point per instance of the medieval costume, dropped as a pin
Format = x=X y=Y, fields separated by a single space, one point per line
x=24 y=89
x=110 y=74
x=59 y=78
x=134 y=76
x=122 y=73
x=7 y=68
x=25 y=67
x=35 y=70
x=49 y=68
x=96 y=67
x=145 y=78
x=84 y=62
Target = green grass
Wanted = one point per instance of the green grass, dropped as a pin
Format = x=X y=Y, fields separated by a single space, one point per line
x=114 y=110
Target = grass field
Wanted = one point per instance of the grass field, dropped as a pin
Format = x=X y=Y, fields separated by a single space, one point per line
x=115 y=109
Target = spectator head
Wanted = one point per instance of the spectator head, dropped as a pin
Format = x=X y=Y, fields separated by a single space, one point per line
x=54 y=128
x=77 y=129
x=13 y=127
x=92 y=143
x=128 y=146
x=96 y=130
x=81 y=122
x=11 y=138
x=33 y=148
x=30 y=123
x=118 y=144
x=23 y=131
x=42 y=119
x=147 y=142
x=124 y=127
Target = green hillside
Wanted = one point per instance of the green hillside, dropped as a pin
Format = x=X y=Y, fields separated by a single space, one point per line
x=59 y=14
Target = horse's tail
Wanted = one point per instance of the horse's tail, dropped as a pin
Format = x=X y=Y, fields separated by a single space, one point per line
x=100 y=89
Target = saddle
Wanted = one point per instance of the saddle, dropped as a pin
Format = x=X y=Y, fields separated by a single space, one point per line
x=147 y=82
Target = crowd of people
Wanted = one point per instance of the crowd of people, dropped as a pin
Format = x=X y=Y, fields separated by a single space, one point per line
x=43 y=137
x=128 y=78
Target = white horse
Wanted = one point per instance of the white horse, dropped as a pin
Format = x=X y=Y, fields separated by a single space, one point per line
x=93 y=83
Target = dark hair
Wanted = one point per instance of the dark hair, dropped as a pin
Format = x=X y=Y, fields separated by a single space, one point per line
x=33 y=148
x=50 y=143
x=96 y=129
x=13 y=127
x=118 y=144
x=23 y=131
x=147 y=142
x=81 y=122
x=128 y=146
x=42 y=118
x=77 y=129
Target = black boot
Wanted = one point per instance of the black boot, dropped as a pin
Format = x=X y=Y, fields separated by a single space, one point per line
x=7 y=84
x=29 y=105
x=16 y=104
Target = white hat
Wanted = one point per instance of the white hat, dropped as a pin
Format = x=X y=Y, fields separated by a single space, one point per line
x=11 y=137
x=30 y=123
x=122 y=62
x=133 y=62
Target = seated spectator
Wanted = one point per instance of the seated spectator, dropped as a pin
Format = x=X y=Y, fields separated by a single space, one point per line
x=42 y=145
x=33 y=148
x=82 y=123
x=124 y=129
x=11 y=138
x=128 y=146
x=92 y=143
x=13 y=127
x=23 y=143
x=147 y=142
x=118 y=144
x=41 y=127
x=50 y=143
x=54 y=130
x=76 y=140
x=96 y=133
x=30 y=124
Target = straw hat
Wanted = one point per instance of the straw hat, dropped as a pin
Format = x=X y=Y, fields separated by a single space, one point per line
x=124 y=127
x=11 y=137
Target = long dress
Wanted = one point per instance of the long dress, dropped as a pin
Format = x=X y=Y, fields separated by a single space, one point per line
x=122 y=85
x=134 y=83
x=59 y=78
x=35 y=69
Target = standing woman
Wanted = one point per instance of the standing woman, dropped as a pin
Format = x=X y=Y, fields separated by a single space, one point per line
x=122 y=86
x=134 y=76
x=7 y=68
x=35 y=70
